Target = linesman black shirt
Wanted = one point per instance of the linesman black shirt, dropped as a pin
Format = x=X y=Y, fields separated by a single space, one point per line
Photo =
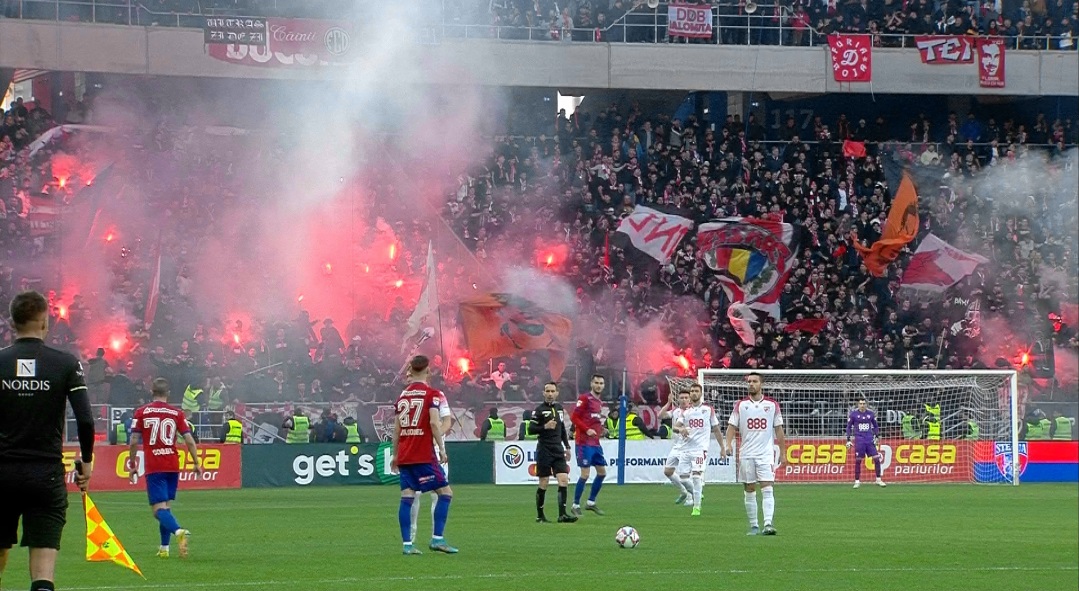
x=36 y=383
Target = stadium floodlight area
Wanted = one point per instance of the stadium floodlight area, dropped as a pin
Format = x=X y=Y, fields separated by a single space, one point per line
x=977 y=412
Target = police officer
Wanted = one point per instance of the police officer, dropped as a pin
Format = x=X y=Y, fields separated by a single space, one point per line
x=35 y=383
x=494 y=428
x=1035 y=427
x=233 y=430
x=298 y=426
x=552 y=451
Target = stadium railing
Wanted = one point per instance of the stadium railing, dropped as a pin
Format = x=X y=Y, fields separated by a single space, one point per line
x=763 y=27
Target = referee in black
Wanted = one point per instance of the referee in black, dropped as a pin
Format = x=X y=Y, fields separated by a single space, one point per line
x=552 y=451
x=36 y=382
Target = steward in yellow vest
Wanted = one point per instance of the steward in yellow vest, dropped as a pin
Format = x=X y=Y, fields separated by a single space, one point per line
x=299 y=427
x=352 y=431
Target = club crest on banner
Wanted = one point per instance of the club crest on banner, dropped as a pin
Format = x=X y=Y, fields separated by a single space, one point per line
x=383 y=420
x=1002 y=455
x=852 y=57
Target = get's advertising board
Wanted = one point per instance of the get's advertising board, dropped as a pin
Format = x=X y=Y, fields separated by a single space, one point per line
x=220 y=462
x=904 y=460
x=515 y=462
x=317 y=464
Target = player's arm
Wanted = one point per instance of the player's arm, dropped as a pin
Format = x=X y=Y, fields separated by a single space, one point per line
x=781 y=440
x=717 y=432
x=436 y=433
x=580 y=419
x=133 y=452
x=189 y=442
x=850 y=427
x=396 y=440
x=665 y=412
x=876 y=427
x=731 y=432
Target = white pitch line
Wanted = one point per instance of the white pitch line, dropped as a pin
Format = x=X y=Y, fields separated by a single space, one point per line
x=508 y=575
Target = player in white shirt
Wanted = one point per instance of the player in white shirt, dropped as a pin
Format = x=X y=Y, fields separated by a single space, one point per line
x=446 y=415
x=682 y=481
x=759 y=423
x=691 y=425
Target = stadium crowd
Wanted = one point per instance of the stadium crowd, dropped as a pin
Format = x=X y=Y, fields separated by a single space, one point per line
x=564 y=192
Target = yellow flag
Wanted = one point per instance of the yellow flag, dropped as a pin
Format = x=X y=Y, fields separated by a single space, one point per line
x=101 y=544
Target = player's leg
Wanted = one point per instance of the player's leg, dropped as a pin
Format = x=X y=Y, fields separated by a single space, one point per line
x=159 y=493
x=766 y=476
x=669 y=466
x=417 y=503
x=584 y=462
x=442 y=511
x=601 y=472
x=697 y=476
x=877 y=459
x=409 y=485
x=748 y=475
x=543 y=471
x=859 y=457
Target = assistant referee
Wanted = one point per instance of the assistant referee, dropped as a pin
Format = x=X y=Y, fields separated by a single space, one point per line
x=552 y=451
x=35 y=383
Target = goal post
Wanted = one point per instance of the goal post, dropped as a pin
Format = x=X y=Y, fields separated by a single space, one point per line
x=976 y=413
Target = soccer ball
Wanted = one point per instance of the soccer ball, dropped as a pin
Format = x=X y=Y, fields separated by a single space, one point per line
x=627 y=537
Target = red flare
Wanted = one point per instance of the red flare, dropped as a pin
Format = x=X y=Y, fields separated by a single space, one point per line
x=116 y=344
x=682 y=362
x=110 y=237
x=1024 y=359
x=63 y=312
x=300 y=299
x=63 y=182
x=463 y=364
x=550 y=260
x=327 y=268
x=398 y=283
x=236 y=338
x=393 y=251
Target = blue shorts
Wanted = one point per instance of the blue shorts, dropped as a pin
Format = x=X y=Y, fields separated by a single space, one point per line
x=590 y=455
x=161 y=486
x=423 y=477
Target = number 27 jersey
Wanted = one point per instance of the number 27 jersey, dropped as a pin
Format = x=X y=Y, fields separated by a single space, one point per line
x=159 y=424
x=756 y=423
x=413 y=409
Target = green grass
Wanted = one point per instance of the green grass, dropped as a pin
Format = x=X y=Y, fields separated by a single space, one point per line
x=922 y=538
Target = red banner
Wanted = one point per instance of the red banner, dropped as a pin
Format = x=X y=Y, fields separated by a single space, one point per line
x=991 y=62
x=945 y=49
x=904 y=460
x=684 y=20
x=293 y=43
x=221 y=463
x=852 y=57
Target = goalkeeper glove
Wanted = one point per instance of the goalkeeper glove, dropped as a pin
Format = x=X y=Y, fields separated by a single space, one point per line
x=848 y=443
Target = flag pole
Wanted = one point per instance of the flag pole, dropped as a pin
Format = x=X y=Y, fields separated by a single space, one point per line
x=438 y=307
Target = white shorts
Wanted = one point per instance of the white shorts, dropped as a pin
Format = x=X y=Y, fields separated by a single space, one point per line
x=687 y=461
x=753 y=470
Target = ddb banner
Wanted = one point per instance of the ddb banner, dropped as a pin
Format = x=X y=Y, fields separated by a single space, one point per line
x=220 y=462
x=903 y=461
x=1039 y=461
x=515 y=462
x=684 y=20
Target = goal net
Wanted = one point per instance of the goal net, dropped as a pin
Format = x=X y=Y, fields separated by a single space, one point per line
x=952 y=426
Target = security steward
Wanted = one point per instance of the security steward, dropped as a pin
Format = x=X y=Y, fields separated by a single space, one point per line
x=233 y=430
x=352 y=431
x=552 y=451
x=35 y=383
x=494 y=428
x=1061 y=427
x=933 y=426
x=298 y=427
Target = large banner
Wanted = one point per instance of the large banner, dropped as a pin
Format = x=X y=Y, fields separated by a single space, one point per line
x=852 y=57
x=515 y=462
x=753 y=256
x=505 y=325
x=904 y=460
x=991 y=62
x=221 y=463
x=655 y=233
x=1039 y=461
x=945 y=49
x=684 y=20
x=293 y=43
x=317 y=464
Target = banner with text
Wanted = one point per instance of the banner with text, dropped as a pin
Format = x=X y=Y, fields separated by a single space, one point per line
x=317 y=464
x=945 y=49
x=1039 y=461
x=221 y=463
x=991 y=62
x=684 y=20
x=293 y=43
x=904 y=460
x=515 y=462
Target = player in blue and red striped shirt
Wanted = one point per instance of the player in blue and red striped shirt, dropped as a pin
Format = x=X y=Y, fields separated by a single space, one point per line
x=587 y=419
x=862 y=425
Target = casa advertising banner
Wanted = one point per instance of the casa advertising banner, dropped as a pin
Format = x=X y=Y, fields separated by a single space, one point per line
x=515 y=462
x=904 y=460
x=317 y=464
x=1039 y=461
x=221 y=463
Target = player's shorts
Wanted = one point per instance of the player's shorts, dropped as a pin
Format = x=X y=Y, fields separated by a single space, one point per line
x=423 y=477
x=549 y=464
x=590 y=455
x=161 y=486
x=37 y=493
x=687 y=460
x=864 y=449
x=752 y=470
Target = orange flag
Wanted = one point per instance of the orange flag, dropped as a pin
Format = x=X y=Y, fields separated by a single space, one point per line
x=101 y=544
x=899 y=229
x=500 y=325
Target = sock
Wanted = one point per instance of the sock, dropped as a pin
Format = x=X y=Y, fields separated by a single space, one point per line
x=442 y=513
x=562 y=500
x=167 y=521
x=769 y=504
x=165 y=535
x=751 y=508
x=578 y=491
x=677 y=483
x=698 y=486
x=404 y=516
x=42 y=586
x=857 y=469
x=596 y=485
x=876 y=467
x=541 y=494
x=686 y=485
x=414 y=517
x=434 y=505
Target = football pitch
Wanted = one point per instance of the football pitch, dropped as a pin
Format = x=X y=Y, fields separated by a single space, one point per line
x=931 y=537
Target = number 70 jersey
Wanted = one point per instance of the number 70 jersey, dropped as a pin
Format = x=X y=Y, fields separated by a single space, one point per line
x=756 y=423
x=160 y=425
x=413 y=409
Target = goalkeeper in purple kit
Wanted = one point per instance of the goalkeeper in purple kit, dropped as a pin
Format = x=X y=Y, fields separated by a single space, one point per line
x=862 y=426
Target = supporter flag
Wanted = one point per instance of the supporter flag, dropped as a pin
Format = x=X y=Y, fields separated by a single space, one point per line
x=991 y=62
x=502 y=325
x=937 y=265
x=155 y=289
x=899 y=229
x=427 y=306
x=655 y=232
x=42 y=215
x=810 y=325
x=754 y=257
x=101 y=544
x=852 y=57
x=742 y=318
x=853 y=149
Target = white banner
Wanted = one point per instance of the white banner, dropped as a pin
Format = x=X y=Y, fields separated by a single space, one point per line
x=684 y=20
x=515 y=462
x=655 y=233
